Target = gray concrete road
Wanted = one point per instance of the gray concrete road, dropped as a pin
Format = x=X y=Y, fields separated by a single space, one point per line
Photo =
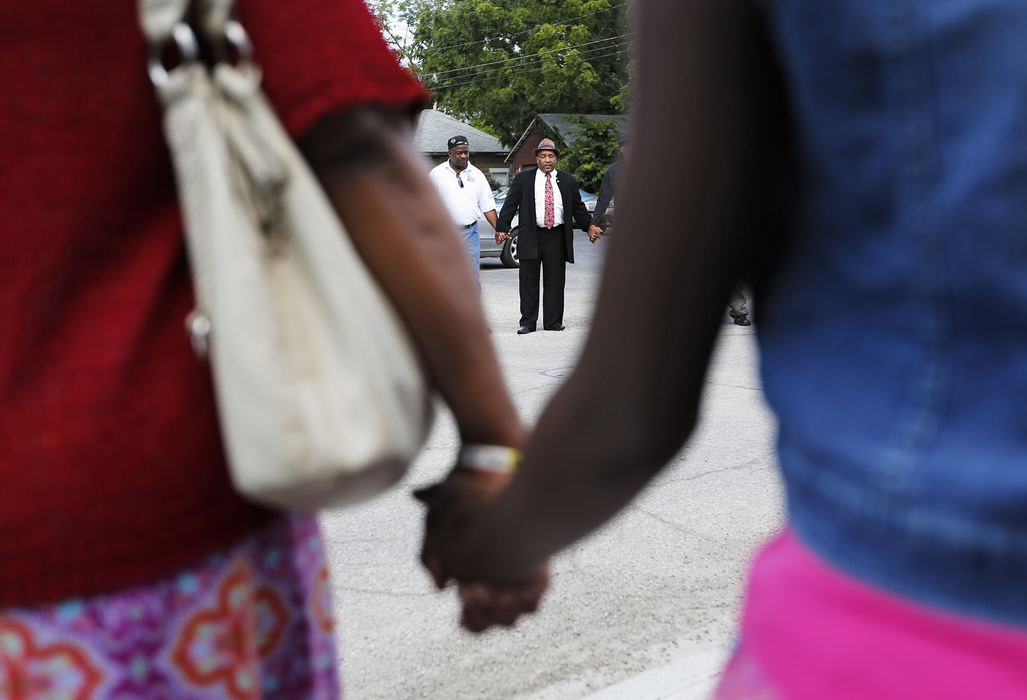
x=644 y=609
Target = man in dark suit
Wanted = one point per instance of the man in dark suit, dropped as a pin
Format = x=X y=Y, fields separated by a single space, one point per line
x=607 y=190
x=549 y=202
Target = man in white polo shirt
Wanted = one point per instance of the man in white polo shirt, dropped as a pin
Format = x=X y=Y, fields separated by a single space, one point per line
x=467 y=195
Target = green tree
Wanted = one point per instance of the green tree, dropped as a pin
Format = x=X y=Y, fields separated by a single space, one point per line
x=594 y=148
x=498 y=63
x=394 y=17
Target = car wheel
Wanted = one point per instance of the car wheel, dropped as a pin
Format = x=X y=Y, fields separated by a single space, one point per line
x=508 y=256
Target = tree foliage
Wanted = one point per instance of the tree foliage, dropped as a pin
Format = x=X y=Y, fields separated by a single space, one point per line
x=498 y=63
x=593 y=150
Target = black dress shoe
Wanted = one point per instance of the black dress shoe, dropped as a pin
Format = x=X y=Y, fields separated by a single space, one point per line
x=524 y=330
x=742 y=321
x=557 y=327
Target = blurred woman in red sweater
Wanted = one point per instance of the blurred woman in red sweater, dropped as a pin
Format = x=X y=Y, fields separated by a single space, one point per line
x=128 y=566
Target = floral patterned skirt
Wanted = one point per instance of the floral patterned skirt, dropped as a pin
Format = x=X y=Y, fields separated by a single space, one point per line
x=252 y=622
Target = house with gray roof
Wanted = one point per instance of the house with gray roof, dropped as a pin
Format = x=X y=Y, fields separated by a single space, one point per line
x=434 y=129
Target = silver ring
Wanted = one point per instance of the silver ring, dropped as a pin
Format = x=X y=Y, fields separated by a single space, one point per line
x=188 y=47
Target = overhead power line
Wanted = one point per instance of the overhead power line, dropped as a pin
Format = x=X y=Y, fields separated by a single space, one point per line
x=520 y=59
x=611 y=8
x=588 y=54
x=512 y=75
x=506 y=76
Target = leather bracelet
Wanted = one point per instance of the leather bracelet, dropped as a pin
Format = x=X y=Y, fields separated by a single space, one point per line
x=495 y=459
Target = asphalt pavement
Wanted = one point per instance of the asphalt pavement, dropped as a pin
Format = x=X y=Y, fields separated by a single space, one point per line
x=644 y=609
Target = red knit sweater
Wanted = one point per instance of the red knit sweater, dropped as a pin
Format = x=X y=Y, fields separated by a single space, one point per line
x=111 y=470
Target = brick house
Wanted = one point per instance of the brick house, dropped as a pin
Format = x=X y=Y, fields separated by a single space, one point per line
x=559 y=127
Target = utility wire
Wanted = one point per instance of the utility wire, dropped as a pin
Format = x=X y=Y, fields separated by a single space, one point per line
x=588 y=55
x=504 y=70
x=512 y=75
x=528 y=31
x=528 y=56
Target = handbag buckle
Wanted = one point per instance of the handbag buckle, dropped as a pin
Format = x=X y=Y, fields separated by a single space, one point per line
x=183 y=38
x=198 y=326
x=239 y=40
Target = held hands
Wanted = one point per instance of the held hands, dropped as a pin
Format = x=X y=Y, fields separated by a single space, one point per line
x=451 y=529
x=594 y=233
x=501 y=236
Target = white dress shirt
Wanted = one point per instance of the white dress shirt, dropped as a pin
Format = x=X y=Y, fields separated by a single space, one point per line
x=468 y=203
x=540 y=199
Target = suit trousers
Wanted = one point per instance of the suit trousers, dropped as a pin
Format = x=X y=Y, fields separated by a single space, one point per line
x=552 y=260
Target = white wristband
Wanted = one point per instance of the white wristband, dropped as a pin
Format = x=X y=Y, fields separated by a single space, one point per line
x=489 y=458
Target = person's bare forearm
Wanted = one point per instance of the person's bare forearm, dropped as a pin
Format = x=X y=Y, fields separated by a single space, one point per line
x=375 y=179
x=633 y=399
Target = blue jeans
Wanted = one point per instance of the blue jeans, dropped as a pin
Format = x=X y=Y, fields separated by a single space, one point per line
x=473 y=243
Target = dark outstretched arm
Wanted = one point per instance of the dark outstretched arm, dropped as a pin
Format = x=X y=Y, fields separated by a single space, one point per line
x=582 y=219
x=646 y=369
x=513 y=200
x=603 y=200
x=368 y=166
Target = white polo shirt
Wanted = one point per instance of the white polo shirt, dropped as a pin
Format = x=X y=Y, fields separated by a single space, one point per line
x=468 y=203
x=540 y=199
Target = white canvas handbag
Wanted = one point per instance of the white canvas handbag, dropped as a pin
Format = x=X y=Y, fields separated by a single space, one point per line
x=321 y=397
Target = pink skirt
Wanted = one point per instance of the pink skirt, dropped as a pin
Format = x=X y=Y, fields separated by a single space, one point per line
x=251 y=622
x=811 y=631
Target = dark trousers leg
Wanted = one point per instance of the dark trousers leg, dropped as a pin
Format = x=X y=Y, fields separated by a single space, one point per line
x=528 y=277
x=553 y=250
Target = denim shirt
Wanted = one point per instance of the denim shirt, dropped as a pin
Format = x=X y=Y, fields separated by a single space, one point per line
x=894 y=335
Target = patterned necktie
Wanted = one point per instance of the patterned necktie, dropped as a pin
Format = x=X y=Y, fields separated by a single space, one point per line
x=549 y=220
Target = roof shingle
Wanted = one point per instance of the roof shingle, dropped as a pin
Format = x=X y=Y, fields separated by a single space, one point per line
x=434 y=129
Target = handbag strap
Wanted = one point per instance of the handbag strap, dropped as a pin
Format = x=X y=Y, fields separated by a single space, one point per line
x=215 y=16
x=159 y=17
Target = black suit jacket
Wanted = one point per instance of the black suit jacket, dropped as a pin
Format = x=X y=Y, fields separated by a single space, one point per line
x=606 y=192
x=521 y=197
